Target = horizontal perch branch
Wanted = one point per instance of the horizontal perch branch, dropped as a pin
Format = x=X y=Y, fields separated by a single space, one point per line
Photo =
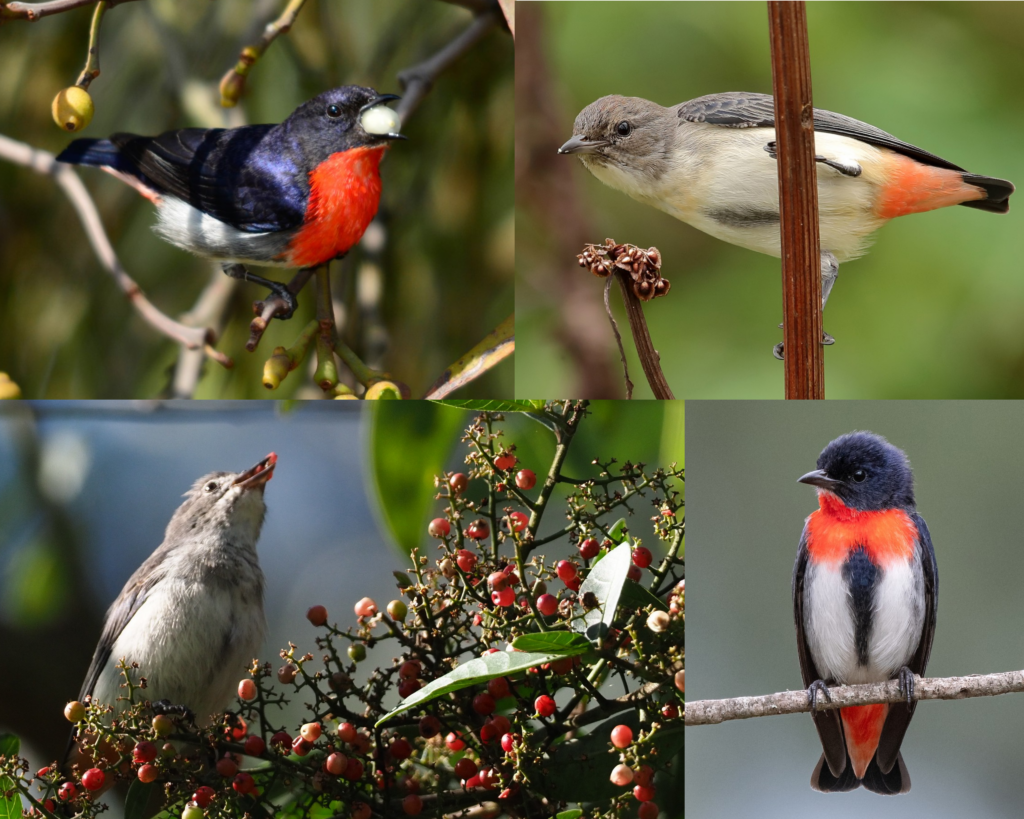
x=711 y=712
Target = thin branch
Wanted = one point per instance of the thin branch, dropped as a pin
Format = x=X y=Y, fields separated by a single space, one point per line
x=37 y=11
x=712 y=712
x=233 y=83
x=417 y=81
x=798 y=200
x=649 y=358
x=618 y=336
x=92 y=59
x=195 y=338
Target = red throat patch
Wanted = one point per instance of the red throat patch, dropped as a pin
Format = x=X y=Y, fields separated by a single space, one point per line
x=344 y=192
x=835 y=529
x=862 y=725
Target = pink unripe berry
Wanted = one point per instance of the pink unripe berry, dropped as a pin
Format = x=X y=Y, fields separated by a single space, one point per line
x=484 y=704
x=466 y=560
x=465 y=768
x=148 y=773
x=544 y=705
x=439 y=528
x=642 y=557
x=282 y=739
x=647 y=810
x=227 y=767
x=633 y=573
x=243 y=783
x=458 y=483
x=204 y=796
x=311 y=731
x=336 y=764
x=644 y=775
x=547 y=604
x=505 y=597
x=412 y=805
x=566 y=570
x=400 y=749
x=346 y=732
x=430 y=727
x=589 y=548
x=365 y=608
x=247 y=690
x=317 y=615
x=518 y=521
x=93 y=779
x=410 y=669
x=360 y=810
x=406 y=688
x=507 y=742
x=144 y=751
x=498 y=687
x=354 y=770
x=301 y=747
x=622 y=775
x=478 y=530
x=643 y=793
x=454 y=741
x=255 y=746
x=505 y=461
x=680 y=680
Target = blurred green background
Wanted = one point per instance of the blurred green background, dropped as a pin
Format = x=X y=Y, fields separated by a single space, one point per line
x=936 y=308
x=442 y=281
x=745 y=512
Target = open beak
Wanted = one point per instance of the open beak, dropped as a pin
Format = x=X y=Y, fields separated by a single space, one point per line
x=386 y=123
x=820 y=479
x=259 y=474
x=582 y=145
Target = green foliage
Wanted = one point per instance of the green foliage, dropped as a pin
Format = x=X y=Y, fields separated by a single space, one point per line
x=10 y=806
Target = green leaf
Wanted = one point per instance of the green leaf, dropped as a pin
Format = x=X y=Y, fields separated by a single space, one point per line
x=404 y=581
x=410 y=443
x=569 y=814
x=605 y=583
x=137 y=800
x=475 y=672
x=565 y=643
x=9 y=745
x=637 y=597
x=617 y=534
x=577 y=770
x=482 y=405
x=10 y=806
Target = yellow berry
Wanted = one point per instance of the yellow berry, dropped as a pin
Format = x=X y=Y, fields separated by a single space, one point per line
x=383 y=390
x=73 y=108
x=74 y=711
x=8 y=389
x=163 y=724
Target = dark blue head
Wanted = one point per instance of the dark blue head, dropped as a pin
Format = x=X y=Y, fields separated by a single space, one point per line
x=866 y=472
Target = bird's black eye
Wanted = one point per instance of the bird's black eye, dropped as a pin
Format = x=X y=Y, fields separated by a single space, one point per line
x=210 y=487
x=624 y=128
x=333 y=110
x=859 y=476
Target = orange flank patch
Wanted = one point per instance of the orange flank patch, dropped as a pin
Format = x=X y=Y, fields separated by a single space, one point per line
x=835 y=529
x=344 y=192
x=862 y=725
x=913 y=187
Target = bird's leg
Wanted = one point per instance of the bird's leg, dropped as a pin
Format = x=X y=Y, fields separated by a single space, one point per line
x=906 y=683
x=165 y=707
x=274 y=305
x=286 y=301
x=829 y=274
x=818 y=688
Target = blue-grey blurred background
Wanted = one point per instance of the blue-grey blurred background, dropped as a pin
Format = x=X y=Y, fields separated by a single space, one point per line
x=87 y=489
x=935 y=309
x=744 y=516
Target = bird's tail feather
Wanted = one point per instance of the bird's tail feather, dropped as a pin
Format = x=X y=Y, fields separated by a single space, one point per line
x=997 y=193
x=101 y=153
x=894 y=782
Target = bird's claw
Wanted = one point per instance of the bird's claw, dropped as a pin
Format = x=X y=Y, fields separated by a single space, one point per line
x=779 y=350
x=167 y=707
x=906 y=684
x=816 y=689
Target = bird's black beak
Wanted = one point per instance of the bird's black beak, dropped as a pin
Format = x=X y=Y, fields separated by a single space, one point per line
x=259 y=474
x=583 y=145
x=378 y=100
x=820 y=479
x=392 y=132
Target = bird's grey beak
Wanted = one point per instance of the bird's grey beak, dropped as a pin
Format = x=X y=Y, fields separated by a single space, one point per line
x=384 y=122
x=820 y=479
x=259 y=474
x=582 y=145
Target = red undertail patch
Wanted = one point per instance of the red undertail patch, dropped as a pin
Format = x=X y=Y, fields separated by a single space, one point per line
x=862 y=725
x=913 y=187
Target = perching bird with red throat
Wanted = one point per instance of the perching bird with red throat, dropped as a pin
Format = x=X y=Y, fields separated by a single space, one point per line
x=865 y=595
x=711 y=162
x=294 y=195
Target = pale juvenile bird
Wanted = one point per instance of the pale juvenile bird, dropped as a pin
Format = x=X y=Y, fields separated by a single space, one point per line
x=711 y=162
x=192 y=614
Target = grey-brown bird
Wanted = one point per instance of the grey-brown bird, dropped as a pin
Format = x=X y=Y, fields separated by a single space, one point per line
x=711 y=162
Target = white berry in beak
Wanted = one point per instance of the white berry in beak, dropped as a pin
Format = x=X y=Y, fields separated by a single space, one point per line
x=380 y=121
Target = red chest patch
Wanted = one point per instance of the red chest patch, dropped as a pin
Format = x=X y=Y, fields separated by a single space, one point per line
x=344 y=192
x=835 y=529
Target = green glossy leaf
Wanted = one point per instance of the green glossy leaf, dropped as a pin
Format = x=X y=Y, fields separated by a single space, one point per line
x=137 y=800
x=577 y=770
x=482 y=405
x=404 y=581
x=10 y=806
x=569 y=814
x=475 y=672
x=605 y=583
x=636 y=596
x=410 y=443
x=566 y=643
x=617 y=534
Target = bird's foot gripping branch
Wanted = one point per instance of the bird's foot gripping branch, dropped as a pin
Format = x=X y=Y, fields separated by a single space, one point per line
x=535 y=687
x=639 y=274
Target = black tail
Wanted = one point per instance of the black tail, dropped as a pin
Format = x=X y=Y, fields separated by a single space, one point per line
x=894 y=782
x=997 y=193
x=97 y=152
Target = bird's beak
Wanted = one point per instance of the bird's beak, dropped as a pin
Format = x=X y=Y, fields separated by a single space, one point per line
x=820 y=479
x=383 y=123
x=259 y=474
x=582 y=145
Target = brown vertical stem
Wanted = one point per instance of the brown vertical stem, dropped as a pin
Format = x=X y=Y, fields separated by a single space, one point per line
x=798 y=199
x=649 y=358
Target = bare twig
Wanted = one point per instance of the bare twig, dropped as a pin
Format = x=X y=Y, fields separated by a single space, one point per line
x=417 y=81
x=618 y=336
x=210 y=310
x=649 y=358
x=92 y=59
x=37 y=11
x=798 y=200
x=233 y=83
x=712 y=712
x=195 y=338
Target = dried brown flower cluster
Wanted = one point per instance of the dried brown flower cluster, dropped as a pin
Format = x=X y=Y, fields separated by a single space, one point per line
x=643 y=266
